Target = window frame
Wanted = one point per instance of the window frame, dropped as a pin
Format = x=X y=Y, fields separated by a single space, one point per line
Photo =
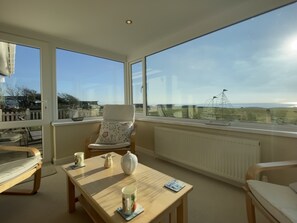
x=142 y=61
x=45 y=89
x=241 y=127
x=86 y=52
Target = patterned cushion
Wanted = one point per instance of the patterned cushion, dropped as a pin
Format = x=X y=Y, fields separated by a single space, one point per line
x=114 y=132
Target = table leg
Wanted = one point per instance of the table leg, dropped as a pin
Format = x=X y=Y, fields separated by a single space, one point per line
x=71 y=196
x=182 y=211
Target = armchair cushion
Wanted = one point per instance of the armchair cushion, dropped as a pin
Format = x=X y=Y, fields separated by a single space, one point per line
x=12 y=169
x=112 y=132
x=279 y=200
x=108 y=146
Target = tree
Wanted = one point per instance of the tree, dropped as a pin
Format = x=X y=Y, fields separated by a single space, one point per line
x=29 y=98
x=14 y=92
x=26 y=98
x=67 y=100
x=22 y=97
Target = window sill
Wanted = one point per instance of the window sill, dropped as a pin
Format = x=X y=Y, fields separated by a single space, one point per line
x=63 y=122
x=271 y=130
x=252 y=128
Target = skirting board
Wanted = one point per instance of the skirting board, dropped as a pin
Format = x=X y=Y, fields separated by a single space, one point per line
x=63 y=160
x=145 y=151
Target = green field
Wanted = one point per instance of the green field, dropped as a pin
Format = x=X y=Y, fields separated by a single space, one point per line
x=279 y=116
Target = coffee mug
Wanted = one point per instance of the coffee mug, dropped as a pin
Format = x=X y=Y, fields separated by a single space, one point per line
x=79 y=159
x=129 y=199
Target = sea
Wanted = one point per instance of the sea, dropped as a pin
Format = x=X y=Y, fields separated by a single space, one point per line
x=241 y=105
x=264 y=105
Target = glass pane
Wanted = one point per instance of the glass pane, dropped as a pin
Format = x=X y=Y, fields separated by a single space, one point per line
x=19 y=82
x=243 y=73
x=85 y=83
x=137 y=86
x=23 y=136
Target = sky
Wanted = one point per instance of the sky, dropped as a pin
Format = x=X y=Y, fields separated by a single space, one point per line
x=255 y=60
x=85 y=77
x=27 y=69
x=90 y=78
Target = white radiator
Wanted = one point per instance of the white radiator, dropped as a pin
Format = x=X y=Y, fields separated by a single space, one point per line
x=223 y=157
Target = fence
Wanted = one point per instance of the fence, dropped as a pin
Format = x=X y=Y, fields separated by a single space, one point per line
x=14 y=116
x=36 y=114
x=24 y=115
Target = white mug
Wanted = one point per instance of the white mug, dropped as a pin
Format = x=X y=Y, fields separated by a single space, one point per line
x=79 y=159
x=129 y=199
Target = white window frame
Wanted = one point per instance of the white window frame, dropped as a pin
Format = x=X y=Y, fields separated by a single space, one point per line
x=45 y=89
x=142 y=61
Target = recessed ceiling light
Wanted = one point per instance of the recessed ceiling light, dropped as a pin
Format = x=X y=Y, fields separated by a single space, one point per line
x=129 y=21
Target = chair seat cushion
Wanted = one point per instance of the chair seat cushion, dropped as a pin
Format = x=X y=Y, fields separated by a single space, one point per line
x=15 y=168
x=279 y=200
x=108 y=146
x=10 y=137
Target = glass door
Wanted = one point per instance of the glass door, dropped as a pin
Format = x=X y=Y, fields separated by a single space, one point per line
x=23 y=108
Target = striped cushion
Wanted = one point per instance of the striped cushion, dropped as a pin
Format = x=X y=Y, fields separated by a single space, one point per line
x=109 y=146
x=15 y=168
x=279 y=200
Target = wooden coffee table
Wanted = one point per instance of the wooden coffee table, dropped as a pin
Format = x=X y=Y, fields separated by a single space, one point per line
x=100 y=192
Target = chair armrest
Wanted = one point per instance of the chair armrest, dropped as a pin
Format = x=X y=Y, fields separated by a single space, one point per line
x=31 y=150
x=92 y=138
x=132 y=136
x=132 y=139
x=254 y=170
x=133 y=133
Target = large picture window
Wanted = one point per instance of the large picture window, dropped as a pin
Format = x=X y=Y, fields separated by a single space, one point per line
x=242 y=73
x=85 y=83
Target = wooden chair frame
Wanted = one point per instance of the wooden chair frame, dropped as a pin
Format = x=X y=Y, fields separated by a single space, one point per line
x=5 y=188
x=96 y=152
x=252 y=174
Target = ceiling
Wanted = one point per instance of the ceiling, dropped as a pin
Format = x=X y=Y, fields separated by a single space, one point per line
x=100 y=24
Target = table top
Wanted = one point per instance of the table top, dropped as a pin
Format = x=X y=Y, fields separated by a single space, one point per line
x=101 y=187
